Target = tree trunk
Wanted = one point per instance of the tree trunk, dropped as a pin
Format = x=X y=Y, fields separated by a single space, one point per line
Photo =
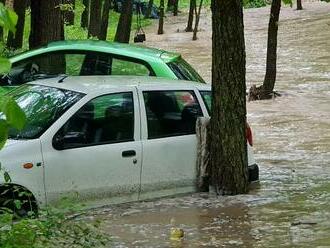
x=149 y=8
x=1 y=29
x=299 y=5
x=15 y=41
x=125 y=21
x=192 y=7
x=270 y=77
x=161 y=18
x=198 y=14
x=94 y=28
x=85 y=14
x=105 y=19
x=176 y=8
x=203 y=153
x=46 y=22
x=228 y=154
x=170 y=5
x=69 y=13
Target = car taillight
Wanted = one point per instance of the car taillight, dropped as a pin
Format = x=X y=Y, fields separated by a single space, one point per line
x=249 y=134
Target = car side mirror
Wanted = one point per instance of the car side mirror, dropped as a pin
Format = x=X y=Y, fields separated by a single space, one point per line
x=69 y=140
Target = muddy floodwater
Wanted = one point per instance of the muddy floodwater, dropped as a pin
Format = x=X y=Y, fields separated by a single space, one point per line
x=291 y=208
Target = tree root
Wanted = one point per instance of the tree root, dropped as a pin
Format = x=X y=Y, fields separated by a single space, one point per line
x=258 y=93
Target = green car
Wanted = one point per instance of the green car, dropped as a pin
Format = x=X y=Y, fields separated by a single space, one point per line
x=93 y=57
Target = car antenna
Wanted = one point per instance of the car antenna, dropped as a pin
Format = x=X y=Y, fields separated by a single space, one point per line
x=62 y=78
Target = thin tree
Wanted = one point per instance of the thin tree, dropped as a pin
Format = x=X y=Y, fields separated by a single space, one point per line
x=94 y=27
x=123 y=32
x=228 y=153
x=15 y=41
x=46 y=22
x=105 y=19
x=85 y=14
x=1 y=29
x=149 y=9
x=176 y=8
x=170 y=5
x=266 y=90
x=299 y=5
x=197 y=16
x=161 y=18
x=192 y=7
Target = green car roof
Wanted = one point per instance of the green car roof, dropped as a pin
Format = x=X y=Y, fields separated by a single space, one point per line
x=138 y=52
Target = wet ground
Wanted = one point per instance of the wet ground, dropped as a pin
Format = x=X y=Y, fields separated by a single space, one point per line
x=291 y=208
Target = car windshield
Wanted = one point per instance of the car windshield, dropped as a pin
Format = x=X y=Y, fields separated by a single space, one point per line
x=184 y=71
x=42 y=106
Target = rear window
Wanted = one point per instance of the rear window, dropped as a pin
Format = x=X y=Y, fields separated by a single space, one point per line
x=207 y=98
x=184 y=71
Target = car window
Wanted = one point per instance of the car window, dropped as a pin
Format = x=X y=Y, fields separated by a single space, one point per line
x=207 y=98
x=42 y=106
x=74 y=63
x=105 y=119
x=184 y=71
x=171 y=113
x=124 y=67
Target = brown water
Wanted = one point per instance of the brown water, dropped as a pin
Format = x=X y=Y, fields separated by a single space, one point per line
x=292 y=146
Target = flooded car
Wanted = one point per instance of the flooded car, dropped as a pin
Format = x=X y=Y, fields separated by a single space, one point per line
x=106 y=139
x=94 y=57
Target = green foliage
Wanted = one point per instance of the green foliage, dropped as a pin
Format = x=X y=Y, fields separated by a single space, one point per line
x=8 y=18
x=50 y=229
x=254 y=3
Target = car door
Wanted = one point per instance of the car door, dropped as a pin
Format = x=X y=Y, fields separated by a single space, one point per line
x=95 y=154
x=168 y=140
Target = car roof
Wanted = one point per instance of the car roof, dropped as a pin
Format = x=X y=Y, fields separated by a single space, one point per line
x=134 y=51
x=105 y=84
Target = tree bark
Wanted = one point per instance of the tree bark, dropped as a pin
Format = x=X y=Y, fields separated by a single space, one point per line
x=105 y=19
x=270 y=77
x=94 y=28
x=46 y=22
x=229 y=166
x=85 y=14
x=176 y=8
x=203 y=154
x=161 y=18
x=198 y=14
x=192 y=7
x=69 y=14
x=15 y=41
x=123 y=32
x=170 y=5
x=1 y=29
x=149 y=8
x=299 y=5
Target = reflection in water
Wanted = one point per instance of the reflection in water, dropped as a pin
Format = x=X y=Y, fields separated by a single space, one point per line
x=292 y=145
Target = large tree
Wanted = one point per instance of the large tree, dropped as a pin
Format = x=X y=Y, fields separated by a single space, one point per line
x=46 y=22
x=125 y=21
x=266 y=90
x=15 y=41
x=228 y=153
x=94 y=27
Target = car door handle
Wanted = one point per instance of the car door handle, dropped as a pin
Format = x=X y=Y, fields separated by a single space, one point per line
x=129 y=153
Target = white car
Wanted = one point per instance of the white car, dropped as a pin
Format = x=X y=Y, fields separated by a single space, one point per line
x=106 y=139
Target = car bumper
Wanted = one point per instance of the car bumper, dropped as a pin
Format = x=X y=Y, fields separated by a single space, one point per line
x=253 y=173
